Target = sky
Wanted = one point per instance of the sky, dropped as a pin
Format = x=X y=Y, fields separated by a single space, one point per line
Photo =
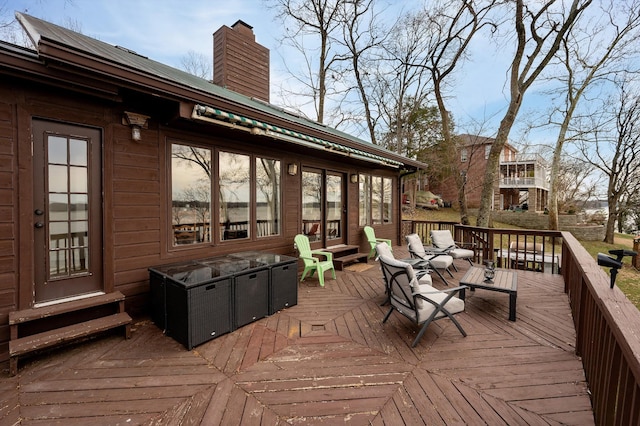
x=165 y=30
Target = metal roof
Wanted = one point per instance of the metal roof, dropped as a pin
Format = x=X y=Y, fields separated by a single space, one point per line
x=45 y=34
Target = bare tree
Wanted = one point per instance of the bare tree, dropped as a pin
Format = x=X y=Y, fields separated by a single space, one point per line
x=198 y=196
x=629 y=216
x=397 y=80
x=11 y=31
x=452 y=25
x=614 y=149
x=193 y=156
x=539 y=34
x=197 y=64
x=310 y=27
x=576 y=185
x=362 y=37
x=589 y=54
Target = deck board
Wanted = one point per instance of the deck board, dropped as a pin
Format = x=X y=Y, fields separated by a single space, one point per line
x=327 y=360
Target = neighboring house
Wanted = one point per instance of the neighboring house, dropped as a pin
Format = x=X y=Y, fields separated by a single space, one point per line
x=112 y=163
x=522 y=181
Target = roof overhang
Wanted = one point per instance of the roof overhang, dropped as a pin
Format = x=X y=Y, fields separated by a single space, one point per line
x=260 y=128
x=65 y=51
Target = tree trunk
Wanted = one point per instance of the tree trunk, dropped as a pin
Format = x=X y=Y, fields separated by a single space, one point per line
x=462 y=201
x=520 y=80
x=451 y=152
x=553 y=196
x=611 y=227
x=486 y=199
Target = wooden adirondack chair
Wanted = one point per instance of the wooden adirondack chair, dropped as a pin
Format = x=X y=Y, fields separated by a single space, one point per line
x=314 y=263
x=371 y=237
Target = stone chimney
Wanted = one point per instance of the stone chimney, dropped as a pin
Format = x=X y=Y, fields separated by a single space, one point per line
x=239 y=62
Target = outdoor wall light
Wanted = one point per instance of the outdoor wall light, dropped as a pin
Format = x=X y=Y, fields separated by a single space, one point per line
x=137 y=123
x=354 y=178
x=292 y=169
x=136 y=132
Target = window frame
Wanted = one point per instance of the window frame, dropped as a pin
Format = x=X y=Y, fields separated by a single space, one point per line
x=216 y=238
x=367 y=214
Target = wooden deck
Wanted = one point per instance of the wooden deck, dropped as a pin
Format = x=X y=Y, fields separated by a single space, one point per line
x=328 y=360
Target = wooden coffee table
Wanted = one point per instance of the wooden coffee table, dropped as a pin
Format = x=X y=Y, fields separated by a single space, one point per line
x=505 y=281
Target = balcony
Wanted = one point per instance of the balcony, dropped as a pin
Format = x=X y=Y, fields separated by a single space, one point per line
x=523 y=158
x=523 y=171
x=524 y=182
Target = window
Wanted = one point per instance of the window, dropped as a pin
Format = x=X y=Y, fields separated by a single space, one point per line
x=463 y=155
x=234 y=192
x=365 y=199
x=376 y=195
x=387 y=206
x=190 y=194
x=195 y=177
x=376 y=200
x=267 y=197
x=68 y=195
x=487 y=151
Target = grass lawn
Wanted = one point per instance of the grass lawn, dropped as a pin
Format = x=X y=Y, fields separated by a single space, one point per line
x=628 y=279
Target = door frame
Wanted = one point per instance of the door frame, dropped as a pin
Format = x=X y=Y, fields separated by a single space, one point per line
x=96 y=158
x=324 y=172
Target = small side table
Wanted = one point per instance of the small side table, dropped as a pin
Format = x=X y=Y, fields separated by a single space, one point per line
x=505 y=281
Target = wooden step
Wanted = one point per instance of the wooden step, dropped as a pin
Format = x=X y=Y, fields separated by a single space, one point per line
x=341 y=250
x=59 y=336
x=62 y=335
x=340 y=262
x=25 y=315
x=43 y=327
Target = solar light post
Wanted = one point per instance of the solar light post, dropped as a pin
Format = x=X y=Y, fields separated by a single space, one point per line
x=614 y=264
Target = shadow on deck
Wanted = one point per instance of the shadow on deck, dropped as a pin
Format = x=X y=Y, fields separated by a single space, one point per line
x=327 y=360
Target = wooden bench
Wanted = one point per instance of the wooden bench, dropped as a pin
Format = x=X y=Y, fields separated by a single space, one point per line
x=45 y=327
x=345 y=254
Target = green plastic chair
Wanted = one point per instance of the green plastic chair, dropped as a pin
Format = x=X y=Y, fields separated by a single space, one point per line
x=371 y=237
x=311 y=263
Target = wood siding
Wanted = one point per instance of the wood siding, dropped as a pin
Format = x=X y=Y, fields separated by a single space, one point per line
x=8 y=218
x=136 y=202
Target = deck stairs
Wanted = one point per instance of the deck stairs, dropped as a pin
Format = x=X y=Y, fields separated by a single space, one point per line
x=346 y=254
x=40 y=328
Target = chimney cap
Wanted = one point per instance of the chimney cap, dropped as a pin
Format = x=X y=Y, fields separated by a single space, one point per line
x=241 y=22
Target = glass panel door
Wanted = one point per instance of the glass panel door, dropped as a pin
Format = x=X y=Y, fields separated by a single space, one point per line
x=323 y=207
x=334 y=213
x=67 y=211
x=312 y=205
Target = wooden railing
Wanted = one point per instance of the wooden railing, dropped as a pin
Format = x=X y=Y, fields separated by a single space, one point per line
x=508 y=248
x=198 y=232
x=312 y=229
x=607 y=336
x=607 y=324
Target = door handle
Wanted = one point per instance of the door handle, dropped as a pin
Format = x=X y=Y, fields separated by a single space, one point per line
x=39 y=225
